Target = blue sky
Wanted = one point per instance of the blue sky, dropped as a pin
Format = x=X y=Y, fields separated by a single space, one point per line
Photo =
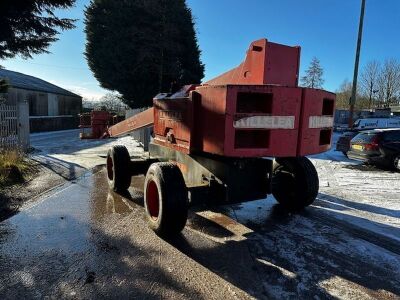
x=326 y=29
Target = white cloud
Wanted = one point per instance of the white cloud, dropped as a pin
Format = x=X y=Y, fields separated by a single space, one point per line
x=82 y=89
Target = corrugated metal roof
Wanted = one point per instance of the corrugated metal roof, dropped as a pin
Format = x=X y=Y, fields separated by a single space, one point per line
x=22 y=81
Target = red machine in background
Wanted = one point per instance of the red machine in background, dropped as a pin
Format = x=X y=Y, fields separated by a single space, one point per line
x=211 y=140
x=98 y=122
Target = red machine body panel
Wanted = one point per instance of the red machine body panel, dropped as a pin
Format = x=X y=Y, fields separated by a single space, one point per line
x=248 y=121
x=318 y=108
x=173 y=123
x=265 y=63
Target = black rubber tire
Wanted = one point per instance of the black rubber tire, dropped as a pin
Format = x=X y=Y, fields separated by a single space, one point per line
x=118 y=172
x=396 y=163
x=295 y=183
x=172 y=210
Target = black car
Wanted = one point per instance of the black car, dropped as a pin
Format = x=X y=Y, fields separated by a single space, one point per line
x=343 y=144
x=379 y=147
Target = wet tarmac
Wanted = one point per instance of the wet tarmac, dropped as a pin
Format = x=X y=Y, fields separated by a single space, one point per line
x=84 y=242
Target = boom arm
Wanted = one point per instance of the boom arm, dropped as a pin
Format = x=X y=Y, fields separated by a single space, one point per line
x=141 y=120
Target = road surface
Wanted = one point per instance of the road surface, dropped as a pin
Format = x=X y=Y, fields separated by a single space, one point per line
x=84 y=242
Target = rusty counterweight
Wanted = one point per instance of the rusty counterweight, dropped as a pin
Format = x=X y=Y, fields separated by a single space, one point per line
x=253 y=110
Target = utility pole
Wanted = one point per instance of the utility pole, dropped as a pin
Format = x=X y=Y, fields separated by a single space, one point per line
x=354 y=91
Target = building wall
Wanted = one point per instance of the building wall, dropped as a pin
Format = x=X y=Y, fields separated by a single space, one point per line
x=38 y=104
x=48 y=112
x=46 y=104
x=53 y=105
x=68 y=105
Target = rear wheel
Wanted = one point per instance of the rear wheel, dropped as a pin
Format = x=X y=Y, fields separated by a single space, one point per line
x=295 y=182
x=396 y=163
x=165 y=199
x=118 y=172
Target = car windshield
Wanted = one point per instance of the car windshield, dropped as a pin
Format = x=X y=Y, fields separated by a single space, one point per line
x=393 y=136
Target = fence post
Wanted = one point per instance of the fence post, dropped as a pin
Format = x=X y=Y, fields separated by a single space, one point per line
x=23 y=125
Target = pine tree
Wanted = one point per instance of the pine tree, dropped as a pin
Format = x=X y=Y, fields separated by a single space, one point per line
x=138 y=48
x=3 y=86
x=3 y=90
x=314 y=73
x=29 y=26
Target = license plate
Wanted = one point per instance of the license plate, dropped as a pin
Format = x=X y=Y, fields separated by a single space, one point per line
x=357 y=147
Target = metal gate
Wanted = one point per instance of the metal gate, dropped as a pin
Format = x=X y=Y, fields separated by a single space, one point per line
x=8 y=126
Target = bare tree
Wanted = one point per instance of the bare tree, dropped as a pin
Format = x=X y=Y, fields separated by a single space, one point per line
x=343 y=95
x=89 y=103
x=389 y=82
x=112 y=102
x=369 y=80
x=314 y=73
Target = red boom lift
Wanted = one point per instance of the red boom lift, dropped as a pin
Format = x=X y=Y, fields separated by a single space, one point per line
x=238 y=137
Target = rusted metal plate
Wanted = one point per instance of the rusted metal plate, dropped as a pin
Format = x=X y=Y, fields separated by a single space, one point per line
x=141 y=120
x=265 y=63
x=173 y=123
x=249 y=120
x=246 y=121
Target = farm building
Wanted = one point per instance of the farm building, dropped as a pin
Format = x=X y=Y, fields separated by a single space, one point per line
x=50 y=107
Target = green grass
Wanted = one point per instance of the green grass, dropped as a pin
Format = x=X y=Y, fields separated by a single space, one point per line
x=13 y=167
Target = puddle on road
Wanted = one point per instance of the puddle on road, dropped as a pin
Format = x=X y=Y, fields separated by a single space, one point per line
x=64 y=221
x=84 y=226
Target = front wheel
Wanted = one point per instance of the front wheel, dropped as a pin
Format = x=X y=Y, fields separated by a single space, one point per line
x=295 y=182
x=118 y=168
x=165 y=199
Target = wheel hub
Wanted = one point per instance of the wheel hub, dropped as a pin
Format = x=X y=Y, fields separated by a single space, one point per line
x=152 y=200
